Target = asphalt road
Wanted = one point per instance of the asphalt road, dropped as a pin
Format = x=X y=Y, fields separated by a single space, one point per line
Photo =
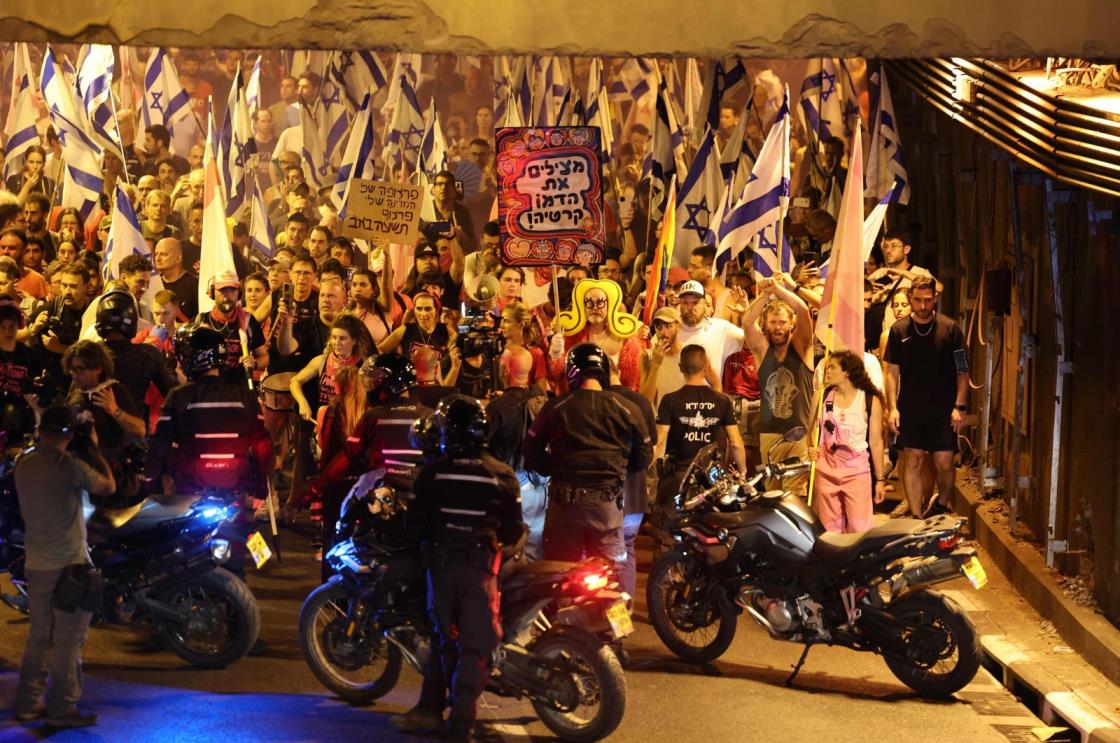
x=144 y=693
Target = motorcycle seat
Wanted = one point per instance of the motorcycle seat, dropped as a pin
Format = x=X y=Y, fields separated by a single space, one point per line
x=527 y=572
x=106 y=524
x=839 y=549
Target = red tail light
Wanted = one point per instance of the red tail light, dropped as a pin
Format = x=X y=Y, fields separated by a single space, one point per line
x=947 y=543
x=594 y=581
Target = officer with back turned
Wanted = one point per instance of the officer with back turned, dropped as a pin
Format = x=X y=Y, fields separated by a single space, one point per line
x=588 y=440
x=467 y=505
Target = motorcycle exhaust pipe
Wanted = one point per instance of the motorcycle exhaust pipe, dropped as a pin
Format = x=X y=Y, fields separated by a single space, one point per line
x=930 y=570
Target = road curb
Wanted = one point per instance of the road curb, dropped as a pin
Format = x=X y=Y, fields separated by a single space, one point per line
x=1093 y=637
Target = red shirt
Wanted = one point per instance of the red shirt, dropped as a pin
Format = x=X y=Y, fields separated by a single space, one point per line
x=740 y=377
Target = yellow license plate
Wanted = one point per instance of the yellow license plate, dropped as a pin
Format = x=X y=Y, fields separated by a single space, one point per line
x=974 y=571
x=619 y=618
x=258 y=548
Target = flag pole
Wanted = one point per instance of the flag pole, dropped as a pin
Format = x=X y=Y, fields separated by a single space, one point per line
x=120 y=141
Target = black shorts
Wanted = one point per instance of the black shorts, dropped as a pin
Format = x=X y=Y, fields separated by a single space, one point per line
x=917 y=432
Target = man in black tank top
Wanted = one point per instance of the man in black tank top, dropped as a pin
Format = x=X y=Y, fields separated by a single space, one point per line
x=785 y=375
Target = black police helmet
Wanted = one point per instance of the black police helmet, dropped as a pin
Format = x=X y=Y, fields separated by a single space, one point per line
x=587 y=361
x=424 y=435
x=116 y=312
x=199 y=348
x=463 y=425
x=388 y=374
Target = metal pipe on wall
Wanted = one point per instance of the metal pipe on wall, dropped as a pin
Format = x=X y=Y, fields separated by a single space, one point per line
x=1063 y=367
x=1011 y=483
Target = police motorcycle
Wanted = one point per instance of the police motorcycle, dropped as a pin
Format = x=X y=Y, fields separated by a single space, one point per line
x=739 y=548
x=162 y=566
x=558 y=620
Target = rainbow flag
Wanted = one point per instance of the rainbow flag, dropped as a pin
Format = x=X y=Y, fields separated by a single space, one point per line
x=662 y=257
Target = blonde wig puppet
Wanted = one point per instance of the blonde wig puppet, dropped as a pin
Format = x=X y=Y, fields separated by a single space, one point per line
x=621 y=324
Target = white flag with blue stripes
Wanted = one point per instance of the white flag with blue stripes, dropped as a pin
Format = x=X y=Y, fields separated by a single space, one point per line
x=82 y=181
x=765 y=197
x=359 y=72
x=886 y=168
x=637 y=78
x=402 y=145
x=598 y=111
x=262 y=239
x=22 y=129
x=95 y=81
x=165 y=100
x=125 y=236
x=333 y=115
x=357 y=161
x=698 y=199
x=821 y=100
x=236 y=147
x=253 y=89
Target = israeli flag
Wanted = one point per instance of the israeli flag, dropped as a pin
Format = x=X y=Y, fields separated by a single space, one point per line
x=82 y=181
x=357 y=162
x=125 y=236
x=236 y=147
x=886 y=168
x=95 y=81
x=21 y=131
x=165 y=100
x=697 y=200
x=821 y=100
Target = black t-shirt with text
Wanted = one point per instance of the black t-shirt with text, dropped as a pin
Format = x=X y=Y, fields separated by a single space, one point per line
x=696 y=416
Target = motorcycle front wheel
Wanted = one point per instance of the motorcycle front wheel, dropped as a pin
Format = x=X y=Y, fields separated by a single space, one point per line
x=695 y=623
x=359 y=668
x=942 y=650
x=599 y=686
x=222 y=620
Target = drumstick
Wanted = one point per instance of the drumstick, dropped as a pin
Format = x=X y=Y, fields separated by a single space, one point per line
x=245 y=353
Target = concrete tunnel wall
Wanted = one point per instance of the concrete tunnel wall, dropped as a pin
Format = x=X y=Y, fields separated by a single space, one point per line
x=708 y=28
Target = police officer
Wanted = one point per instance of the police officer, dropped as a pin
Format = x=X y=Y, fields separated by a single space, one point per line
x=137 y=364
x=210 y=432
x=588 y=440
x=467 y=504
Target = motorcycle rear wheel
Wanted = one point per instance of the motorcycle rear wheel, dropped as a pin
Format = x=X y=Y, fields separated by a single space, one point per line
x=700 y=631
x=356 y=674
x=224 y=620
x=599 y=678
x=943 y=652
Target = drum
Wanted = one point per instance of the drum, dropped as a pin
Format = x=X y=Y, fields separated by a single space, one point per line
x=275 y=392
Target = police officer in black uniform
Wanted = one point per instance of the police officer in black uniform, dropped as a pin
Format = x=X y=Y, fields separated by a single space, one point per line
x=210 y=432
x=136 y=365
x=467 y=503
x=587 y=440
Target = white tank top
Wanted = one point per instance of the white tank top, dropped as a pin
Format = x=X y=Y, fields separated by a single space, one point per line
x=852 y=421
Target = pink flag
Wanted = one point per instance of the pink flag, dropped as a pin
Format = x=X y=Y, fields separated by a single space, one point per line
x=840 y=323
x=217 y=252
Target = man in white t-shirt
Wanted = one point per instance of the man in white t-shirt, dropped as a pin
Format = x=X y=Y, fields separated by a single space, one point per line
x=718 y=337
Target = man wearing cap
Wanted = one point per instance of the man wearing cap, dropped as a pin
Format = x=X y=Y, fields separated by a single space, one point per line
x=676 y=279
x=426 y=256
x=717 y=336
x=50 y=483
x=660 y=364
x=246 y=351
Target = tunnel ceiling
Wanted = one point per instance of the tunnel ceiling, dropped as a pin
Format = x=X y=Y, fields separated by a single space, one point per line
x=707 y=28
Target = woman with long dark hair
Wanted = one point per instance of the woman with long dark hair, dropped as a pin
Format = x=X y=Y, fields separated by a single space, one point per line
x=851 y=425
x=31 y=178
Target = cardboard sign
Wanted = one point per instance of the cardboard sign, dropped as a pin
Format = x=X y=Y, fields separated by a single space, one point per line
x=550 y=197
x=379 y=210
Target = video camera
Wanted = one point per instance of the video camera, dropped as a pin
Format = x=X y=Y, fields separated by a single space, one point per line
x=478 y=333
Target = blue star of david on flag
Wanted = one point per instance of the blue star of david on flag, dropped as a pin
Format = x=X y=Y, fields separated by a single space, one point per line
x=828 y=85
x=692 y=221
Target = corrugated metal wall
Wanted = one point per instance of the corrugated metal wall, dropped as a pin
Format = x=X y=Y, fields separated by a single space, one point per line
x=963 y=220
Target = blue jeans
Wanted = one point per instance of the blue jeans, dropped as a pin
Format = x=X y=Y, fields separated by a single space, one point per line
x=628 y=570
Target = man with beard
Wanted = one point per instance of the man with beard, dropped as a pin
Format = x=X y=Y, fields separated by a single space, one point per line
x=785 y=372
x=926 y=352
x=245 y=347
x=719 y=338
x=59 y=321
x=660 y=364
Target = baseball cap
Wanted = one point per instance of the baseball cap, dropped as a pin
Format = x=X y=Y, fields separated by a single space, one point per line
x=227 y=279
x=58 y=418
x=425 y=250
x=692 y=287
x=667 y=314
x=677 y=275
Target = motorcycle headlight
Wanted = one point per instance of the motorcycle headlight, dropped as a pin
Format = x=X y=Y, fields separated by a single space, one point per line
x=215 y=513
x=219 y=549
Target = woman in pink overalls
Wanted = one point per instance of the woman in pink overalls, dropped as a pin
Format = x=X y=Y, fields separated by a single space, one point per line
x=851 y=423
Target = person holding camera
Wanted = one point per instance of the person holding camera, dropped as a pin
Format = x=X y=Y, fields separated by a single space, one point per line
x=99 y=398
x=50 y=483
x=58 y=322
x=18 y=371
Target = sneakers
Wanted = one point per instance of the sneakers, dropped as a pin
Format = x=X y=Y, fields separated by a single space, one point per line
x=75 y=718
x=15 y=601
x=902 y=510
x=417 y=721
